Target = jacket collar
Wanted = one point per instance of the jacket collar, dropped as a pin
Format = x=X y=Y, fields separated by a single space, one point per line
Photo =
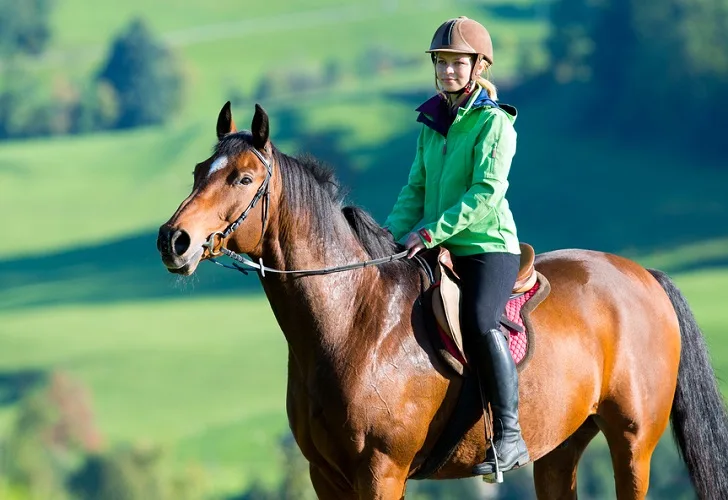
x=436 y=114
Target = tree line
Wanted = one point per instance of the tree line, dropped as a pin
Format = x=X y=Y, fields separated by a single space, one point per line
x=138 y=83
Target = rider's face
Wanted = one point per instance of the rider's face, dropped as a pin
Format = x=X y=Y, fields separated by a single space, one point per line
x=453 y=70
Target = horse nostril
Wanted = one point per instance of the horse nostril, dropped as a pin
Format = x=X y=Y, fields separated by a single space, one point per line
x=180 y=242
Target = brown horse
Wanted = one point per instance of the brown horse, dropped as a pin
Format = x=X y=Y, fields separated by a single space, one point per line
x=617 y=348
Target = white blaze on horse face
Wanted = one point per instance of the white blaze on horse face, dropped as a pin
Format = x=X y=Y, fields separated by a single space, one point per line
x=219 y=163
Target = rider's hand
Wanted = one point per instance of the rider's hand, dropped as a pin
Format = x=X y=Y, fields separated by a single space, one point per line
x=414 y=244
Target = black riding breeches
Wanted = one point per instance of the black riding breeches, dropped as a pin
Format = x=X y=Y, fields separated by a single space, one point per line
x=486 y=283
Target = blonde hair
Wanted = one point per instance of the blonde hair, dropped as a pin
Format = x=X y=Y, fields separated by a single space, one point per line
x=481 y=80
x=489 y=86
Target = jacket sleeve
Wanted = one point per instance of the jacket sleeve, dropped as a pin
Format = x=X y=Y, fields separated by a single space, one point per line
x=408 y=210
x=492 y=157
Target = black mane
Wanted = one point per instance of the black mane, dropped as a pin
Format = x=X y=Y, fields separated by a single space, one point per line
x=311 y=186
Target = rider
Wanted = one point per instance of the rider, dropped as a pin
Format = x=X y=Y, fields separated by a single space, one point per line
x=455 y=197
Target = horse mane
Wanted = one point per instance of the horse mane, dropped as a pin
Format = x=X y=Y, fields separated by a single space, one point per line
x=311 y=186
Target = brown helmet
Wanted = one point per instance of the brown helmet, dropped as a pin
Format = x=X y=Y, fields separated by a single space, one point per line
x=464 y=36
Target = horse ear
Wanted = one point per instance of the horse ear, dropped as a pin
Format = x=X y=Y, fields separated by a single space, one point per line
x=225 y=123
x=260 y=129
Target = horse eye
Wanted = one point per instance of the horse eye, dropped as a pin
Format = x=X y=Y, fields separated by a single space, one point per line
x=245 y=180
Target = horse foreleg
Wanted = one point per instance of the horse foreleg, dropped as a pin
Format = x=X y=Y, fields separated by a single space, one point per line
x=327 y=487
x=381 y=479
x=554 y=474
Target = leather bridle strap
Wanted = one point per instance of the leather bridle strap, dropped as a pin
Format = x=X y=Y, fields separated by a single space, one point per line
x=263 y=191
x=262 y=269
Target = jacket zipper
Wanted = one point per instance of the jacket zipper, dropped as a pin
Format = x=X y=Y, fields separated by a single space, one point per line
x=442 y=171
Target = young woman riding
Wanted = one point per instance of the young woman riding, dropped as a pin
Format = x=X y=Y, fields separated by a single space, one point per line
x=455 y=197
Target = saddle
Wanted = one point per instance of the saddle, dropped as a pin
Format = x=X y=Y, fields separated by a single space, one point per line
x=445 y=306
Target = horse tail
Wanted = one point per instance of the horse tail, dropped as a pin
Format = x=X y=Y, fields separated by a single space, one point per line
x=699 y=418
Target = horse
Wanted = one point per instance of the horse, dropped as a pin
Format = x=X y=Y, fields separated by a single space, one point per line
x=618 y=349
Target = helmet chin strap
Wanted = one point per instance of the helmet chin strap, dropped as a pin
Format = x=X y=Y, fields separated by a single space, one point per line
x=458 y=93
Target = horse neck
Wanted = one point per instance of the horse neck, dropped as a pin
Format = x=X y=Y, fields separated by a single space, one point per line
x=317 y=314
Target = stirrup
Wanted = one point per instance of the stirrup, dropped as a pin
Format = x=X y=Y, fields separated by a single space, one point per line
x=497 y=476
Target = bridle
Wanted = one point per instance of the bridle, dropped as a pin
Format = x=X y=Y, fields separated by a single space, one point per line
x=263 y=192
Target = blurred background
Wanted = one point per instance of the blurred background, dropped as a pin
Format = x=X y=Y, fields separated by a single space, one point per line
x=119 y=381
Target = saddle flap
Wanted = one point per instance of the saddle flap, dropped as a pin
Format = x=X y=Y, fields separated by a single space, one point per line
x=449 y=292
x=526 y=272
x=445 y=263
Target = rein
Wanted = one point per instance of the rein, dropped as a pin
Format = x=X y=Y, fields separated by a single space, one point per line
x=262 y=269
x=264 y=192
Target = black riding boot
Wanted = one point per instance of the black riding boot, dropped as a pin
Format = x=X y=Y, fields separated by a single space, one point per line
x=498 y=379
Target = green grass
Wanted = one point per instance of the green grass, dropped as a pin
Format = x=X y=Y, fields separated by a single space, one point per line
x=76 y=25
x=705 y=291
x=694 y=255
x=77 y=190
x=204 y=378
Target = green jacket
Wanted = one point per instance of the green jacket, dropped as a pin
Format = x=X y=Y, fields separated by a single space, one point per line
x=455 y=194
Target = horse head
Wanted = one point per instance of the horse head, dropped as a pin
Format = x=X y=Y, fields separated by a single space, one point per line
x=223 y=208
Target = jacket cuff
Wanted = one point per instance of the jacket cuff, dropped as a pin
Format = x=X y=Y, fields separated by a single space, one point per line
x=426 y=237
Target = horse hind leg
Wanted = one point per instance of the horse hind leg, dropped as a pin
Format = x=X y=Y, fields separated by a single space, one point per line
x=631 y=446
x=554 y=474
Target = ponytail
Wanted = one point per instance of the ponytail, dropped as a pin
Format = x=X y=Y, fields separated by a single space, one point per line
x=489 y=86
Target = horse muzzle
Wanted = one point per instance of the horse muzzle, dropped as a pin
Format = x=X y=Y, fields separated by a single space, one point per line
x=178 y=253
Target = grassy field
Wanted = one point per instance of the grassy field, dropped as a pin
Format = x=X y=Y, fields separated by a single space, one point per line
x=192 y=376
x=705 y=290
